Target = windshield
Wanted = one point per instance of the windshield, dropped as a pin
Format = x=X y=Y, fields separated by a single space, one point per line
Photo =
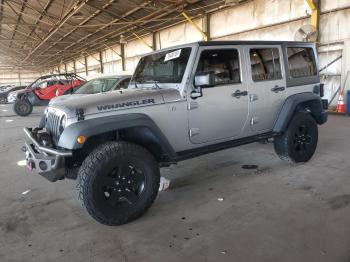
x=41 y=85
x=163 y=67
x=97 y=85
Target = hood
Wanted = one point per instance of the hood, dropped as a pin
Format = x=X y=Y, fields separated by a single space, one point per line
x=65 y=98
x=111 y=101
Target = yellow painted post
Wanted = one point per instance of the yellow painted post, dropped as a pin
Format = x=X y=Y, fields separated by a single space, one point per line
x=314 y=13
x=205 y=37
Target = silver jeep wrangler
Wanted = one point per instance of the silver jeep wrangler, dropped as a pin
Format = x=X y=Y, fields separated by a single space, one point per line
x=182 y=102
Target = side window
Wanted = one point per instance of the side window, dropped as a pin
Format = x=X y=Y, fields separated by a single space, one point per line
x=43 y=85
x=224 y=63
x=51 y=82
x=301 y=62
x=265 y=64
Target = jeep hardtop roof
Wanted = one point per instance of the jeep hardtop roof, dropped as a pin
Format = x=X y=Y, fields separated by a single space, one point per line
x=235 y=42
x=251 y=42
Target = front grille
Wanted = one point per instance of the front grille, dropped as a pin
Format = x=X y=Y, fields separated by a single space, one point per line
x=53 y=126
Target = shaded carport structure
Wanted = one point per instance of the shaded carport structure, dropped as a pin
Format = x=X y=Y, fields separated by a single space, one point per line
x=40 y=34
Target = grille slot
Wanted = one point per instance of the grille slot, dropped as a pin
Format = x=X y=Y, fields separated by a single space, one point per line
x=53 y=125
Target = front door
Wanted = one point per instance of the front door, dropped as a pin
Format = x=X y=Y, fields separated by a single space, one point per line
x=266 y=85
x=220 y=114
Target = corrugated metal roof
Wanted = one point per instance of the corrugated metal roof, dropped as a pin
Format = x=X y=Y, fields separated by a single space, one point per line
x=42 y=33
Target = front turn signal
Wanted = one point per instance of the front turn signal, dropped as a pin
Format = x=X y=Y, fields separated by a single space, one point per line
x=81 y=139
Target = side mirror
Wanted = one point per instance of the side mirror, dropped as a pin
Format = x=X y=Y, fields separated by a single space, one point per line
x=196 y=93
x=204 y=79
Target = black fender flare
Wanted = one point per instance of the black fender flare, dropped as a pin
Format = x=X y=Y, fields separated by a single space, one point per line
x=101 y=125
x=313 y=102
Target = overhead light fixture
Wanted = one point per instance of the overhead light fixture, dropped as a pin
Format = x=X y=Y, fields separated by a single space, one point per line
x=79 y=16
x=122 y=39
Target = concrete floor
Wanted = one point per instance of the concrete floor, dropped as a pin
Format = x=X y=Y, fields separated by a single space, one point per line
x=279 y=212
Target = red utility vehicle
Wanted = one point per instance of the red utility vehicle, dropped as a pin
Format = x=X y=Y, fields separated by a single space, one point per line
x=42 y=90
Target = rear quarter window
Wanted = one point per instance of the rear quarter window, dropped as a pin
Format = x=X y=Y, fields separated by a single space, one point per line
x=301 y=62
x=265 y=64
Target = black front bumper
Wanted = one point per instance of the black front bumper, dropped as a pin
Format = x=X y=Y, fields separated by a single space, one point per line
x=47 y=161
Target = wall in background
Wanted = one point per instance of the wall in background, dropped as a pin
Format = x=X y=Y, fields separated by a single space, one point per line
x=18 y=77
x=254 y=20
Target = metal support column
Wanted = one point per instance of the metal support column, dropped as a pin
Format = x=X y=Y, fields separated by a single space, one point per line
x=154 y=41
x=74 y=67
x=19 y=78
x=86 y=66
x=101 y=63
x=315 y=6
x=122 y=54
x=206 y=25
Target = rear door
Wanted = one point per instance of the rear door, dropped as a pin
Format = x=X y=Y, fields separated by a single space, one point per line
x=266 y=84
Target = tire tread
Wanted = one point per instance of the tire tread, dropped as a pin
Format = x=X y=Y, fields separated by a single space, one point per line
x=91 y=163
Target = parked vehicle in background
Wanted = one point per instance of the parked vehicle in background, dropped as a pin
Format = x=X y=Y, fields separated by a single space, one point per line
x=99 y=85
x=182 y=102
x=41 y=91
x=4 y=91
x=104 y=84
x=5 y=87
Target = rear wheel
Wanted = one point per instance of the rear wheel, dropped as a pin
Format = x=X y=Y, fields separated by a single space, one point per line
x=299 y=142
x=118 y=182
x=22 y=107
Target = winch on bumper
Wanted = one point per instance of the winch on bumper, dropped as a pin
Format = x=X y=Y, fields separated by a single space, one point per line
x=48 y=161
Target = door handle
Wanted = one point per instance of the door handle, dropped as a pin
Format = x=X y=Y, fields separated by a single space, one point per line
x=276 y=89
x=239 y=93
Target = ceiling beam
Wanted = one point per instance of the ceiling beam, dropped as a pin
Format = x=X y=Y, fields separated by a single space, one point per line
x=23 y=6
x=163 y=12
x=38 y=20
x=166 y=10
x=114 y=15
x=80 y=24
x=70 y=13
x=104 y=26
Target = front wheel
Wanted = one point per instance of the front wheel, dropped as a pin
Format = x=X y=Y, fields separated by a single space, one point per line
x=22 y=107
x=299 y=142
x=118 y=182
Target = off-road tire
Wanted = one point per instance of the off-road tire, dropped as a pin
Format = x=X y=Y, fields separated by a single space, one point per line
x=103 y=161
x=299 y=142
x=22 y=107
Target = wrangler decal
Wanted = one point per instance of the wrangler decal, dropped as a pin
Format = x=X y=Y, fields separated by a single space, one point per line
x=126 y=104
